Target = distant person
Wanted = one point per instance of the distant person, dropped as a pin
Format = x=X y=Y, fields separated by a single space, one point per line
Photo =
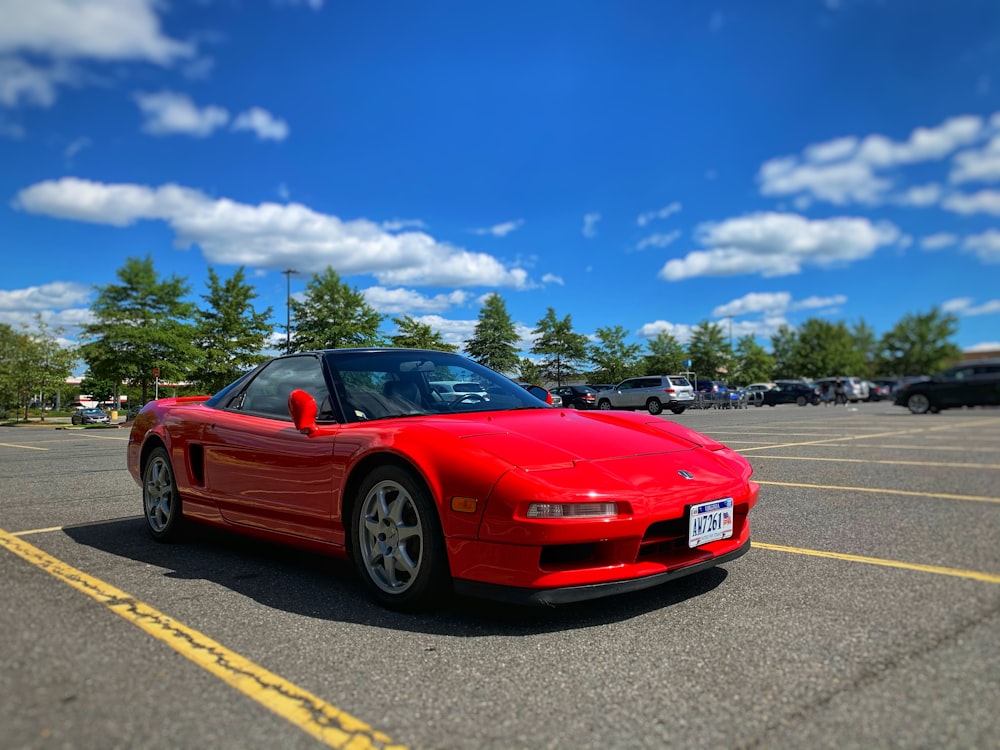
x=839 y=395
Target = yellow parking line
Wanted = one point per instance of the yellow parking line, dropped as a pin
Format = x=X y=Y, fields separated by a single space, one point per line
x=894 y=433
x=889 y=463
x=308 y=712
x=971 y=574
x=25 y=447
x=880 y=491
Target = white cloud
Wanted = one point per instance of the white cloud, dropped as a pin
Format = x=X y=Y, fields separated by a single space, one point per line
x=965 y=306
x=938 y=241
x=394 y=225
x=272 y=235
x=816 y=303
x=171 y=113
x=590 y=224
x=680 y=331
x=57 y=302
x=500 y=230
x=983 y=202
x=662 y=213
x=43 y=41
x=777 y=244
x=102 y=30
x=774 y=304
x=551 y=278
x=263 y=123
x=754 y=302
x=985 y=246
x=839 y=184
x=76 y=146
x=833 y=150
x=658 y=240
x=54 y=296
x=847 y=169
x=982 y=165
x=920 y=195
x=408 y=301
x=22 y=82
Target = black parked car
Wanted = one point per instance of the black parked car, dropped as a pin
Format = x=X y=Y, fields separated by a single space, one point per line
x=974 y=383
x=577 y=396
x=788 y=392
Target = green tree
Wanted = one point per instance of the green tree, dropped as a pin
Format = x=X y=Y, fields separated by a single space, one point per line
x=230 y=333
x=140 y=324
x=530 y=371
x=332 y=315
x=613 y=359
x=561 y=348
x=866 y=342
x=919 y=344
x=666 y=355
x=494 y=343
x=33 y=364
x=753 y=363
x=709 y=350
x=413 y=334
x=783 y=344
x=824 y=349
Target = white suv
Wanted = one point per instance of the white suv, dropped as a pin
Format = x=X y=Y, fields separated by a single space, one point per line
x=653 y=393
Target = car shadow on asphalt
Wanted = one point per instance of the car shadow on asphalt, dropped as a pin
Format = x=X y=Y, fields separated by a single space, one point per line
x=321 y=586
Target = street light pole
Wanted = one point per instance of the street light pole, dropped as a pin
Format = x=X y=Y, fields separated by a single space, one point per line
x=288 y=308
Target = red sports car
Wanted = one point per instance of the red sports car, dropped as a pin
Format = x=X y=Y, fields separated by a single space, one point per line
x=355 y=452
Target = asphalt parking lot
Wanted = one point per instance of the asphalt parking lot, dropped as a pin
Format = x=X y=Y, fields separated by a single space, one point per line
x=867 y=615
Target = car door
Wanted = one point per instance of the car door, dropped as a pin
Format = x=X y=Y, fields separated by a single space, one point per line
x=263 y=472
x=628 y=394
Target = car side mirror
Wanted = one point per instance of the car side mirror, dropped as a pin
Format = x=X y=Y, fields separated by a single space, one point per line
x=302 y=407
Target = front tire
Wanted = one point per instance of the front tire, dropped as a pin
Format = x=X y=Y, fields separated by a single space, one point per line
x=918 y=403
x=678 y=409
x=161 y=502
x=398 y=545
x=800 y=400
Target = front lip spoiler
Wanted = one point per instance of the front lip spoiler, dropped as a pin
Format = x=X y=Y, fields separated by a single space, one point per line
x=570 y=594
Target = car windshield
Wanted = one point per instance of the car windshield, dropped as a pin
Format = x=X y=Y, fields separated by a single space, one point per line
x=384 y=384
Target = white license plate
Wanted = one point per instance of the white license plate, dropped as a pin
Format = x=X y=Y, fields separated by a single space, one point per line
x=708 y=522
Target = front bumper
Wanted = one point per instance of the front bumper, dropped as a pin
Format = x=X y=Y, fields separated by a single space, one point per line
x=569 y=594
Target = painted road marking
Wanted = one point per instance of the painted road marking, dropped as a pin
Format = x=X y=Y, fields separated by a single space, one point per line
x=958 y=573
x=23 y=447
x=908 y=493
x=894 y=433
x=890 y=463
x=308 y=712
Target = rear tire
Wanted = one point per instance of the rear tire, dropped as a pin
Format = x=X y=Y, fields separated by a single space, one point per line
x=161 y=502
x=678 y=409
x=918 y=403
x=654 y=406
x=604 y=404
x=801 y=400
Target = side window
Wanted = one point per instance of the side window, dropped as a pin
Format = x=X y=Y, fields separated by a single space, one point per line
x=627 y=385
x=267 y=395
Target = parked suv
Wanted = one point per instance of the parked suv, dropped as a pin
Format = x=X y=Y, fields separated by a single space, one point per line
x=975 y=383
x=653 y=393
x=855 y=389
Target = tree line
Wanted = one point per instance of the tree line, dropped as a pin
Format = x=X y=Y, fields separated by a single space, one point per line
x=144 y=323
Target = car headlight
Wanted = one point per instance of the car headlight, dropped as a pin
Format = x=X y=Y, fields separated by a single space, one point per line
x=572 y=510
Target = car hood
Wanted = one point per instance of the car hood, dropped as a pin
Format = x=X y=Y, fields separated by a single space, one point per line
x=542 y=439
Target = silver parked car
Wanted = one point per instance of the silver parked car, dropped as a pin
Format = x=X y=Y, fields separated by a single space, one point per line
x=89 y=416
x=652 y=392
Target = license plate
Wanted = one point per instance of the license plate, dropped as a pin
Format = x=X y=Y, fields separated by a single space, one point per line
x=708 y=522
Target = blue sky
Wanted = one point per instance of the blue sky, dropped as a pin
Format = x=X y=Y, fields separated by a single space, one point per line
x=644 y=164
